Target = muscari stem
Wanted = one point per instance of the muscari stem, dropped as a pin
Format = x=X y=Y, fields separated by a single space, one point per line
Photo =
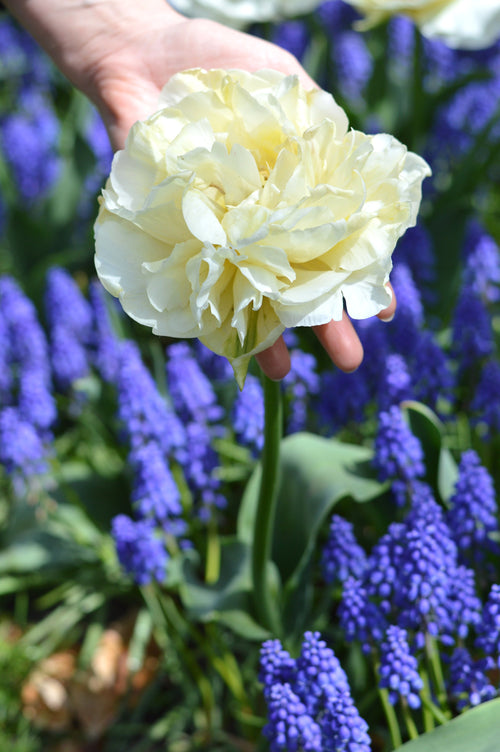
x=265 y=600
x=410 y=723
x=392 y=720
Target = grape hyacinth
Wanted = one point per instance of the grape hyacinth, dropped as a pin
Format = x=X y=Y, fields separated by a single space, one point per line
x=276 y=665
x=359 y=617
x=28 y=387
x=482 y=266
x=69 y=319
x=414 y=578
x=5 y=370
x=248 y=415
x=300 y=383
x=323 y=686
x=488 y=629
x=485 y=405
x=409 y=315
x=466 y=116
x=143 y=413
x=155 y=494
x=22 y=452
x=355 y=388
x=192 y=394
x=432 y=377
x=473 y=513
x=140 y=550
x=399 y=668
x=353 y=64
x=342 y=556
x=309 y=700
x=36 y=403
x=196 y=403
x=104 y=345
x=336 y=16
x=29 y=139
x=395 y=386
x=398 y=453
x=290 y=728
x=27 y=345
x=472 y=333
x=468 y=683
x=293 y=36
x=415 y=251
x=400 y=47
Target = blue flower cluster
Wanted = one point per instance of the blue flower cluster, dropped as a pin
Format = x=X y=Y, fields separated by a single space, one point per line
x=473 y=514
x=30 y=124
x=27 y=406
x=414 y=589
x=195 y=401
x=399 y=668
x=398 y=454
x=300 y=385
x=342 y=556
x=309 y=702
x=248 y=415
x=469 y=684
x=69 y=320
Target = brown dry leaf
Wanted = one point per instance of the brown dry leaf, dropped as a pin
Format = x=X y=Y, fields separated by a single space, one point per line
x=56 y=693
x=95 y=711
x=44 y=695
x=107 y=659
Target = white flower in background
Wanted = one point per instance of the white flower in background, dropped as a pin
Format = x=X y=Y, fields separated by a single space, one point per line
x=245 y=206
x=240 y=13
x=466 y=24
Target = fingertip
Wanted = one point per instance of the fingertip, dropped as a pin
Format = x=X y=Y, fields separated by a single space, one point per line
x=275 y=361
x=342 y=343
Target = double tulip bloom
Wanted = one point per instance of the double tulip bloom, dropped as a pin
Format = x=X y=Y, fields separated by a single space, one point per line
x=245 y=205
x=466 y=24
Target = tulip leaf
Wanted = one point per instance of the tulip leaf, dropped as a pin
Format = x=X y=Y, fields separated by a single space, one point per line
x=315 y=474
x=229 y=600
x=442 y=470
x=477 y=729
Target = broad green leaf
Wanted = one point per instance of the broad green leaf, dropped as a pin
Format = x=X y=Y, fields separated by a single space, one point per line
x=41 y=550
x=476 y=730
x=229 y=601
x=442 y=470
x=315 y=473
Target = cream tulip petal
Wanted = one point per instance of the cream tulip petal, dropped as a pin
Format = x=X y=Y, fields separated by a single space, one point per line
x=310 y=285
x=263 y=330
x=323 y=106
x=134 y=170
x=465 y=25
x=119 y=264
x=162 y=216
x=168 y=288
x=304 y=245
x=367 y=294
x=323 y=309
x=272 y=258
x=201 y=220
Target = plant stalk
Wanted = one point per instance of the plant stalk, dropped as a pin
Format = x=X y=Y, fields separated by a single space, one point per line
x=265 y=600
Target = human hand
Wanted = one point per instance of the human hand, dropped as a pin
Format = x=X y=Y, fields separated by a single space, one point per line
x=121 y=53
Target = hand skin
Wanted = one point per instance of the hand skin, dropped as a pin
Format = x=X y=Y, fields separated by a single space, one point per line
x=120 y=53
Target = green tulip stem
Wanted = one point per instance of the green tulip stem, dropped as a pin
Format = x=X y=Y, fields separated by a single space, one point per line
x=265 y=600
